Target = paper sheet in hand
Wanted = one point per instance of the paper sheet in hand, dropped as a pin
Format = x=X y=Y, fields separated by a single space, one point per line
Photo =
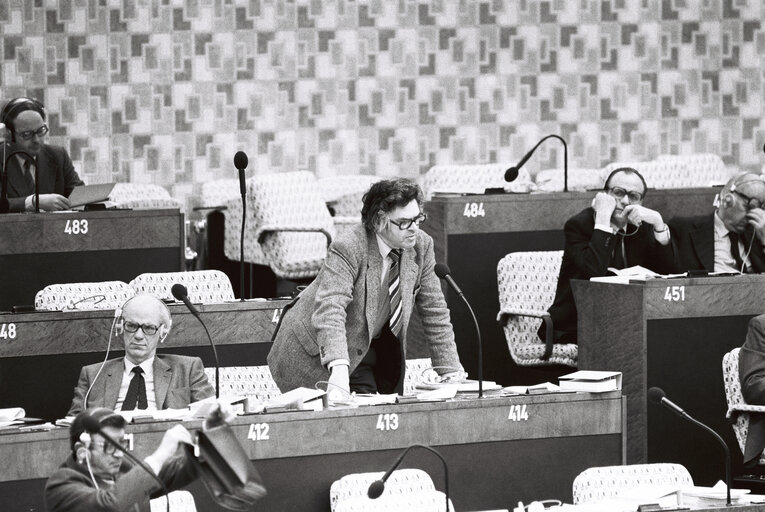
x=87 y=194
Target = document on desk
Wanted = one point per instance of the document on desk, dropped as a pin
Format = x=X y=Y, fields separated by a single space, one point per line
x=632 y=274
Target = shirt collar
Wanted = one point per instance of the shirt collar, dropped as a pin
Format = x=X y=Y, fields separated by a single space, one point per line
x=147 y=366
x=385 y=249
x=720 y=230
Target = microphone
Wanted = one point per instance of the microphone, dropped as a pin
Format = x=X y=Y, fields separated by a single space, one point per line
x=240 y=162
x=443 y=272
x=181 y=293
x=377 y=487
x=93 y=426
x=657 y=396
x=512 y=172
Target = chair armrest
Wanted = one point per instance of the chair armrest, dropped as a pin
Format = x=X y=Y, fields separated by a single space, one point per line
x=543 y=315
x=743 y=408
x=295 y=229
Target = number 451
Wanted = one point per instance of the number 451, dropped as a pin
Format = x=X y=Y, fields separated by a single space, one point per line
x=675 y=294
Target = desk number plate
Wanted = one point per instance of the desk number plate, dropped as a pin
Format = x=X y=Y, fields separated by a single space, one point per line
x=387 y=421
x=7 y=331
x=518 y=412
x=258 y=432
x=473 y=210
x=675 y=294
x=76 y=227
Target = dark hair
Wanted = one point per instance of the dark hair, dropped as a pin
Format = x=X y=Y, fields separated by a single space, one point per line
x=15 y=107
x=106 y=417
x=386 y=195
x=626 y=170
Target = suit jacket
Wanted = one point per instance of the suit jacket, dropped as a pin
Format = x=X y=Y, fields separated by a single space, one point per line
x=587 y=253
x=751 y=371
x=178 y=381
x=56 y=175
x=70 y=489
x=334 y=317
x=694 y=241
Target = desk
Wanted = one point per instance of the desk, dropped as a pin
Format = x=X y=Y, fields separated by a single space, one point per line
x=40 y=362
x=113 y=245
x=672 y=334
x=493 y=460
x=472 y=233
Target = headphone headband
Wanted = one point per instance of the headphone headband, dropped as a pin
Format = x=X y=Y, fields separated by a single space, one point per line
x=18 y=105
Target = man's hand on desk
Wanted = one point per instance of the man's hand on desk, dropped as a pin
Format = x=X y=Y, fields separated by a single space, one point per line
x=338 y=380
x=431 y=377
x=48 y=203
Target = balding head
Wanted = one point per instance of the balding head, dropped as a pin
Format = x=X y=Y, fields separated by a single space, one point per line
x=140 y=314
x=742 y=193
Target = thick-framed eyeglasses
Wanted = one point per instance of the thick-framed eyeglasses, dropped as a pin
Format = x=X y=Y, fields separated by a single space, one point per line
x=619 y=193
x=407 y=223
x=147 y=329
x=749 y=202
x=40 y=132
x=110 y=449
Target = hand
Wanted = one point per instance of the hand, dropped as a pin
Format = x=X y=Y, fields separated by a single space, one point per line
x=338 y=382
x=604 y=206
x=222 y=414
x=430 y=376
x=756 y=218
x=458 y=376
x=637 y=214
x=52 y=203
x=169 y=444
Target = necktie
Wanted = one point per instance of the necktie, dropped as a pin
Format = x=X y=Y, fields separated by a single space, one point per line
x=136 y=393
x=26 y=170
x=394 y=292
x=618 y=257
x=735 y=251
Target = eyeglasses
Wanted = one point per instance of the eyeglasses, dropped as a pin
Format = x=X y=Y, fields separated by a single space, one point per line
x=110 y=449
x=619 y=193
x=749 y=202
x=147 y=329
x=27 y=135
x=407 y=223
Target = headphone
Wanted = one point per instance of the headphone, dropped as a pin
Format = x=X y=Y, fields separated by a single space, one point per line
x=16 y=106
x=727 y=199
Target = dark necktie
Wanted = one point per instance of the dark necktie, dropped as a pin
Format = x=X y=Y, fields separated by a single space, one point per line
x=29 y=178
x=394 y=292
x=618 y=258
x=734 y=251
x=136 y=393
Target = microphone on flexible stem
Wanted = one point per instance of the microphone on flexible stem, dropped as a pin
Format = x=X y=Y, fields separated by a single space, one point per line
x=182 y=294
x=512 y=172
x=240 y=162
x=93 y=426
x=657 y=396
x=443 y=272
x=377 y=487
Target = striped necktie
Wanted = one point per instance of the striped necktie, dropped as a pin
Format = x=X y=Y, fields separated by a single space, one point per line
x=394 y=291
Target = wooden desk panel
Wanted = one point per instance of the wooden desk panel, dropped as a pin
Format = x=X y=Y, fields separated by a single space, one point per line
x=492 y=460
x=472 y=233
x=671 y=334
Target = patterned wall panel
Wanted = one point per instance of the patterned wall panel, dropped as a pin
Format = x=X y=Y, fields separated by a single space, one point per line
x=166 y=91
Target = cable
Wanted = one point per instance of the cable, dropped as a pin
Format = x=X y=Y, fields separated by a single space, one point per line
x=106 y=358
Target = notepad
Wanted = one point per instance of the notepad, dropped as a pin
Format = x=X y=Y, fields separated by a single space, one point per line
x=87 y=194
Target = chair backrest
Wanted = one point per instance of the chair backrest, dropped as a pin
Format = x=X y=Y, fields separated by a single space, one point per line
x=218 y=192
x=413 y=375
x=527 y=282
x=424 y=501
x=204 y=286
x=733 y=395
x=83 y=296
x=401 y=481
x=282 y=201
x=678 y=171
x=180 y=501
x=551 y=180
x=598 y=483
x=473 y=178
x=245 y=381
x=142 y=195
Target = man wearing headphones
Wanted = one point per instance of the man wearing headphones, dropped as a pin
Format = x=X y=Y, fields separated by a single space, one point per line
x=731 y=238
x=142 y=379
x=617 y=231
x=24 y=119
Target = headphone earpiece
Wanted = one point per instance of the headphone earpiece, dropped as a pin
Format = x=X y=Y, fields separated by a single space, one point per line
x=727 y=201
x=119 y=326
x=163 y=332
x=85 y=439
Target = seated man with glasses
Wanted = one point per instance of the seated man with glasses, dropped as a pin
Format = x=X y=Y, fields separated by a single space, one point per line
x=730 y=239
x=348 y=328
x=24 y=119
x=142 y=379
x=617 y=231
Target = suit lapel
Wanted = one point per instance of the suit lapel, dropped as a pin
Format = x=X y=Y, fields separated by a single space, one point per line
x=45 y=162
x=407 y=278
x=162 y=375
x=17 y=184
x=113 y=381
x=374 y=270
x=703 y=241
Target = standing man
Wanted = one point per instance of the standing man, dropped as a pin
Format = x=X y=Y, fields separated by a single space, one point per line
x=142 y=379
x=25 y=119
x=731 y=238
x=349 y=326
x=617 y=231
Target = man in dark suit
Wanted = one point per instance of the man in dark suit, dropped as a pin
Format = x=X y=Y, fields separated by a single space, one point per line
x=617 y=231
x=142 y=379
x=730 y=239
x=349 y=326
x=751 y=371
x=25 y=120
